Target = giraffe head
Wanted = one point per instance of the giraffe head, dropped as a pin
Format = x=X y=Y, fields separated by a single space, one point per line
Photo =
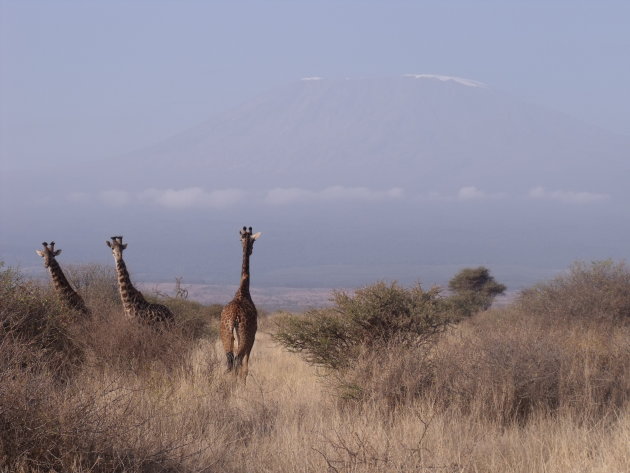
x=247 y=239
x=117 y=246
x=48 y=253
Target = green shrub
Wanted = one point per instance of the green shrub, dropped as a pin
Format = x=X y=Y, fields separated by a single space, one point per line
x=374 y=316
x=473 y=289
x=194 y=319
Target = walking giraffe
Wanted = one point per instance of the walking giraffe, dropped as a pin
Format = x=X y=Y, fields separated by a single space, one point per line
x=239 y=318
x=65 y=291
x=133 y=301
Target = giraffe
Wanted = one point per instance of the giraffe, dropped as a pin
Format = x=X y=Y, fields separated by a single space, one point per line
x=239 y=317
x=68 y=295
x=133 y=301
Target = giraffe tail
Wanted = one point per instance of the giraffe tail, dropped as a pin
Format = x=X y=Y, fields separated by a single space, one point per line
x=230 y=360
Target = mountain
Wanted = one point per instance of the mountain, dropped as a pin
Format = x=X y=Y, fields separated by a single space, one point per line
x=420 y=132
x=350 y=181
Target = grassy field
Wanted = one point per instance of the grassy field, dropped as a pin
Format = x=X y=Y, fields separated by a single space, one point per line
x=504 y=391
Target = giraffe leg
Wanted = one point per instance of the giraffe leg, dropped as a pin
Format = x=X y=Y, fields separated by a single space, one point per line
x=230 y=360
x=227 y=338
x=242 y=355
x=238 y=341
x=244 y=368
x=229 y=353
x=237 y=358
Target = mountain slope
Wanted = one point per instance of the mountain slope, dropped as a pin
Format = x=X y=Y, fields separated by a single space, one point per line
x=419 y=133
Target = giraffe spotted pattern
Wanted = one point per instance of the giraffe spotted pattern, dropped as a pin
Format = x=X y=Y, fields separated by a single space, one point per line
x=63 y=288
x=134 y=303
x=239 y=318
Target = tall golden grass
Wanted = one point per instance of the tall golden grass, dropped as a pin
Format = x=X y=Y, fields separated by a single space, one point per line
x=506 y=391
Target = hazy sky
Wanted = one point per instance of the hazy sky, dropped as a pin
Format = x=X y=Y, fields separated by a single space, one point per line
x=91 y=79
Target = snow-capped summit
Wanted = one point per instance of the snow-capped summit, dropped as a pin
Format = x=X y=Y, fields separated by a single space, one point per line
x=459 y=80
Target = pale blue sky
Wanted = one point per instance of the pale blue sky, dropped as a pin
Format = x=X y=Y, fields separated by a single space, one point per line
x=91 y=79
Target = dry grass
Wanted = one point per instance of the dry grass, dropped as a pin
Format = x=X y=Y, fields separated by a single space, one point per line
x=507 y=366
x=282 y=420
x=146 y=401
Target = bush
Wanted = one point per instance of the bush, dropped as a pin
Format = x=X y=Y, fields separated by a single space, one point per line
x=195 y=320
x=391 y=375
x=34 y=327
x=564 y=345
x=104 y=422
x=39 y=332
x=535 y=357
x=474 y=289
x=80 y=394
x=373 y=317
x=505 y=367
x=508 y=365
x=597 y=291
x=96 y=283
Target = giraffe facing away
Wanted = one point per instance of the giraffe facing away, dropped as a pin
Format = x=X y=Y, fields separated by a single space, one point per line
x=68 y=295
x=239 y=318
x=133 y=301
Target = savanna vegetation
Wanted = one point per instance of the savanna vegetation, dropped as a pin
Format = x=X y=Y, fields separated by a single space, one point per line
x=388 y=379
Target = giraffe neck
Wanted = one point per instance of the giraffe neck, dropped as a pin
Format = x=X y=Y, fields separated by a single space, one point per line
x=131 y=298
x=243 y=289
x=61 y=284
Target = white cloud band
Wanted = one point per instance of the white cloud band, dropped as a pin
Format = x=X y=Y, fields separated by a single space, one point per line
x=198 y=197
x=293 y=195
x=569 y=197
x=192 y=197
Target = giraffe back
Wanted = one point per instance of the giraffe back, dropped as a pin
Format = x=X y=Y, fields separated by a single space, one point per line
x=156 y=313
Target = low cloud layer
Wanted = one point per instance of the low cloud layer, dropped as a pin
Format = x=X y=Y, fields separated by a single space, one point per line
x=473 y=193
x=466 y=193
x=115 y=197
x=192 y=197
x=294 y=195
x=221 y=198
x=569 y=197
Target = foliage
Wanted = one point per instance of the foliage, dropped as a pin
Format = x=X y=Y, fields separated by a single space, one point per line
x=97 y=284
x=564 y=347
x=194 y=319
x=374 y=316
x=34 y=326
x=56 y=411
x=594 y=291
x=474 y=289
x=39 y=332
x=508 y=365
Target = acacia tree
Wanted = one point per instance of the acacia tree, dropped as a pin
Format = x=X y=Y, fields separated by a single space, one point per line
x=370 y=318
x=474 y=289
